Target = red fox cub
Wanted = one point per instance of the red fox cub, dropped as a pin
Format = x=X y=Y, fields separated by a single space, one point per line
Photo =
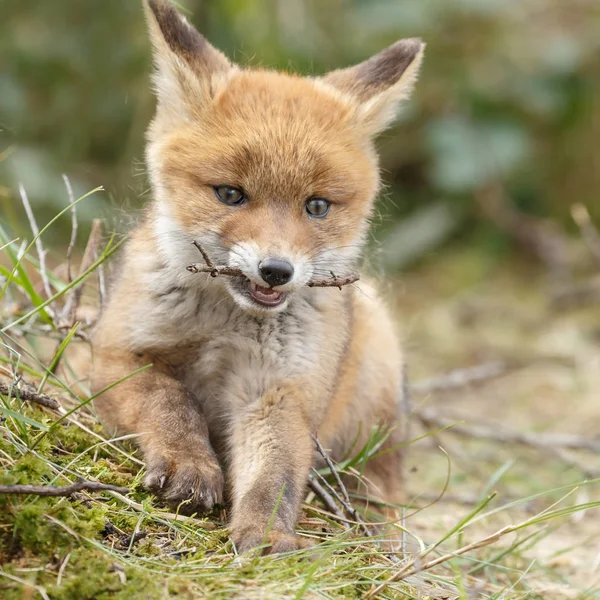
x=276 y=175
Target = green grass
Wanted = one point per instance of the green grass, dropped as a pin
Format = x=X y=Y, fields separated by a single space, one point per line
x=106 y=545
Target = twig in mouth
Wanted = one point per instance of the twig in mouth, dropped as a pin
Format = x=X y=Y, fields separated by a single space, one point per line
x=65 y=490
x=217 y=270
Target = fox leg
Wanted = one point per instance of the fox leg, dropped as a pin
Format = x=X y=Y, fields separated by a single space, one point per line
x=180 y=462
x=271 y=454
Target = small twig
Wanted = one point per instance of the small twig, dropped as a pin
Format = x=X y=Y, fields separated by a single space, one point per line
x=415 y=566
x=577 y=295
x=24 y=392
x=345 y=501
x=38 y=243
x=328 y=501
x=217 y=270
x=74 y=226
x=429 y=416
x=590 y=234
x=66 y=490
x=460 y=378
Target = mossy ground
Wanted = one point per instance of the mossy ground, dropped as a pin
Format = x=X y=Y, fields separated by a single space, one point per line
x=458 y=310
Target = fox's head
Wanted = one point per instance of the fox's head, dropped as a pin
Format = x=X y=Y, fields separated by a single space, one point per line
x=273 y=173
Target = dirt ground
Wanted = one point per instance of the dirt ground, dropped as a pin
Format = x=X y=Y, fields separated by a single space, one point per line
x=465 y=311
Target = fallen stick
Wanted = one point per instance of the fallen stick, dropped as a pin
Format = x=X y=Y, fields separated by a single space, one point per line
x=345 y=500
x=218 y=270
x=413 y=567
x=328 y=501
x=460 y=378
x=24 y=392
x=65 y=490
x=431 y=417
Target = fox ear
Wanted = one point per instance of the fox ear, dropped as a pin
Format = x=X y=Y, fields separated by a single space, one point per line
x=188 y=68
x=381 y=82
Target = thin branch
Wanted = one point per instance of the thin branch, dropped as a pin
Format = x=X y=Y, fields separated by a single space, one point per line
x=217 y=270
x=430 y=417
x=38 y=242
x=413 y=567
x=25 y=392
x=328 y=501
x=460 y=378
x=74 y=226
x=66 y=490
x=590 y=234
x=345 y=500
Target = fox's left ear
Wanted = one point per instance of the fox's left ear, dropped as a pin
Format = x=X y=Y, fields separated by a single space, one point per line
x=188 y=68
x=381 y=82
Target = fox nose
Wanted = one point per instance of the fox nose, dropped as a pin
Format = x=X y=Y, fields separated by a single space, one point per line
x=276 y=271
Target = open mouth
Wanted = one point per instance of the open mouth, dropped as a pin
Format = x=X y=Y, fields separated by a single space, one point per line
x=266 y=296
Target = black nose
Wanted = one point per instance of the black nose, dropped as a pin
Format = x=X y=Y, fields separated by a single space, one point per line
x=276 y=271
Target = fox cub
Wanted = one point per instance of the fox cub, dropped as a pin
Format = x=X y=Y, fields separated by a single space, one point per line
x=276 y=175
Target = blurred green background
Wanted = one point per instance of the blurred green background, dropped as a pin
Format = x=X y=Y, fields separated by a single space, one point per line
x=507 y=100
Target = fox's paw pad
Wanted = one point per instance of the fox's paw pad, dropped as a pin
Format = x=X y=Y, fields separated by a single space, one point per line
x=190 y=487
x=275 y=542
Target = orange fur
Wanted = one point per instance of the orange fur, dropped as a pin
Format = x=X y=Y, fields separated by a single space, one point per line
x=237 y=385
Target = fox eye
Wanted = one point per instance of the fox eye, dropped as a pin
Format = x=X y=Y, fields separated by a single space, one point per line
x=317 y=207
x=230 y=195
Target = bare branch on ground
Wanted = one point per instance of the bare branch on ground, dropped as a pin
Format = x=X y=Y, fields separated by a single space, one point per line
x=25 y=392
x=430 y=417
x=65 y=490
x=459 y=378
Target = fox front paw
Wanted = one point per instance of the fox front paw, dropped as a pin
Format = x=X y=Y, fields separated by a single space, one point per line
x=189 y=486
x=275 y=542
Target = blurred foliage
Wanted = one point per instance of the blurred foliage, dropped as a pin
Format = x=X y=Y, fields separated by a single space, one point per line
x=508 y=94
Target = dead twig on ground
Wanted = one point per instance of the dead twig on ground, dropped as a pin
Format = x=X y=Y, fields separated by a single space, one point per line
x=577 y=295
x=25 y=392
x=66 y=490
x=534 y=235
x=590 y=234
x=415 y=565
x=327 y=500
x=344 y=500
x=217 y=270
x=431 y=418
x=459 y=378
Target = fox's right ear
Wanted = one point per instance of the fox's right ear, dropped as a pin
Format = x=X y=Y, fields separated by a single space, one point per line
x=189 y=70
